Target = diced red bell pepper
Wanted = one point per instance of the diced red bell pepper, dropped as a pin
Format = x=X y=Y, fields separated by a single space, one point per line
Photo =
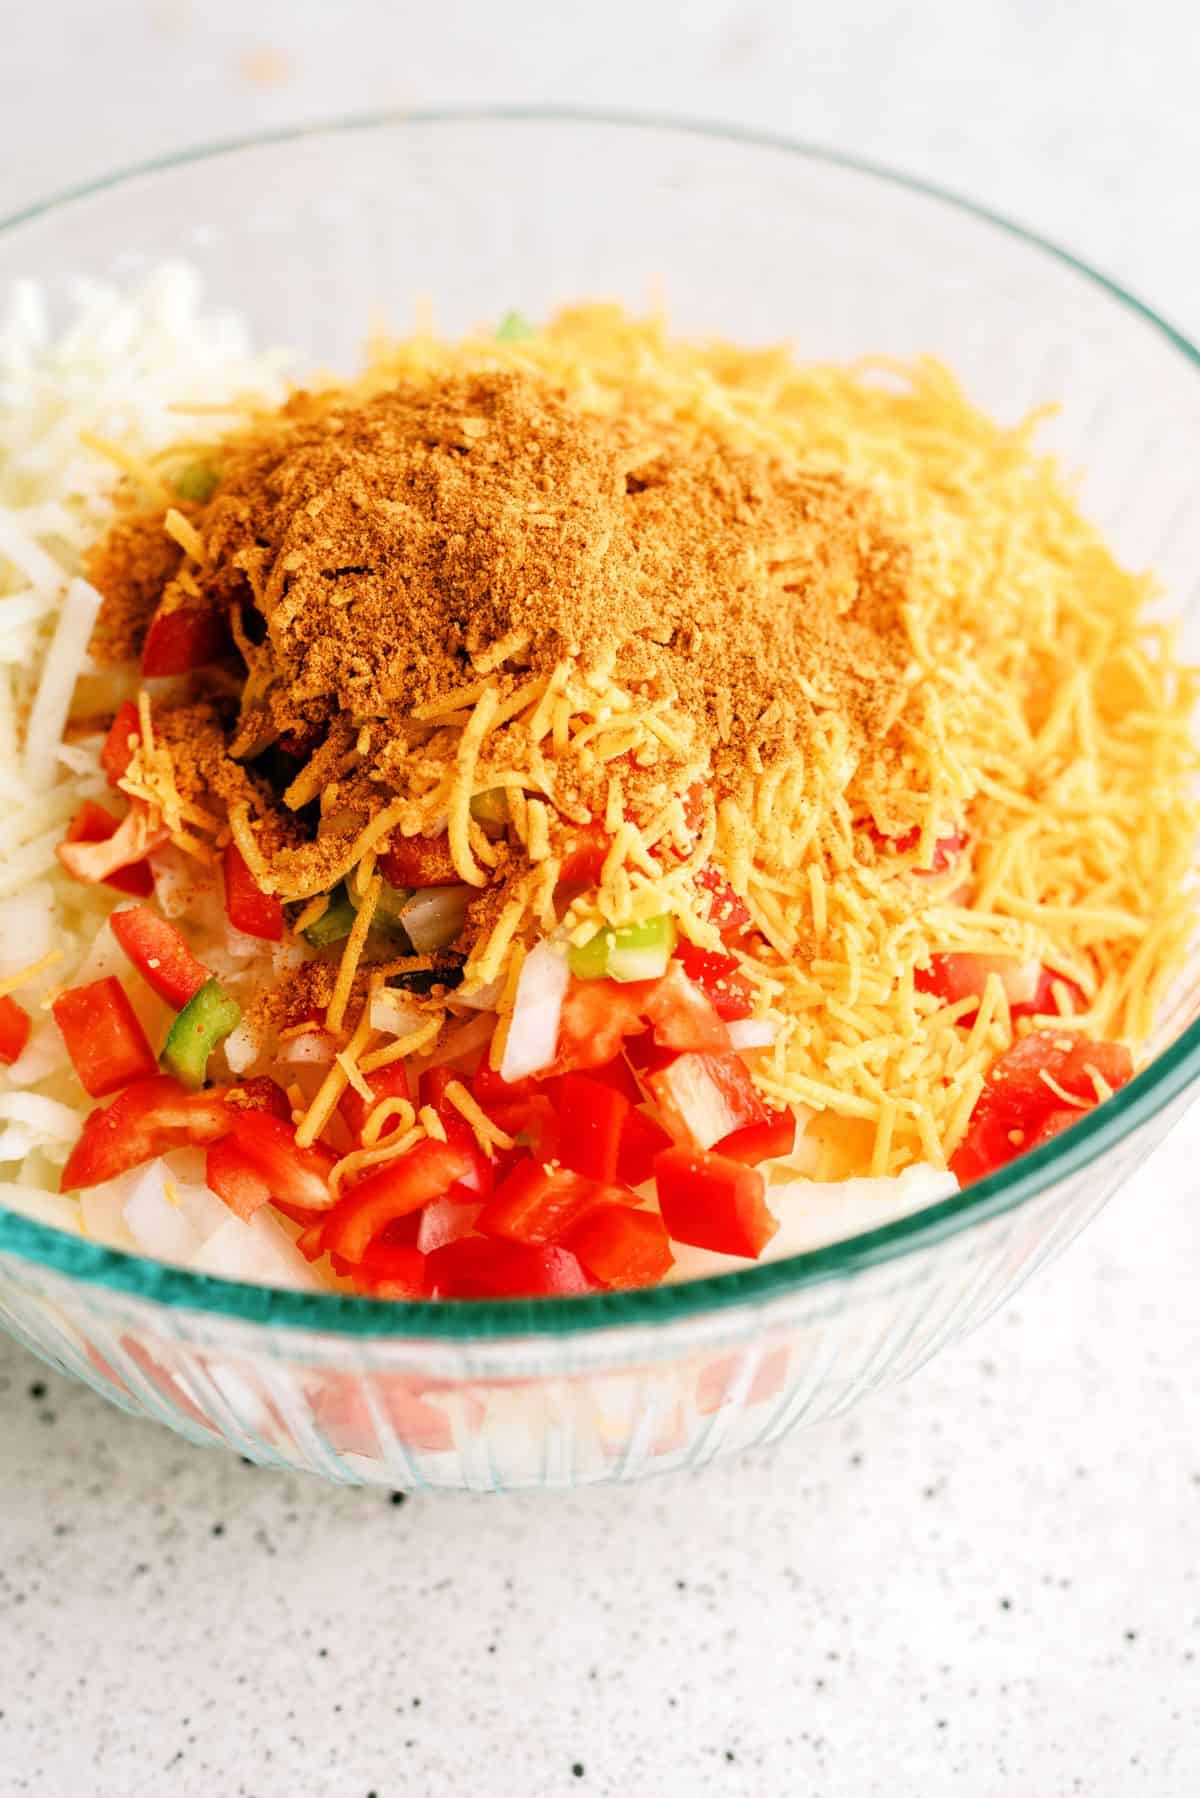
x=247 y=907
x=719 y=978
x=592 y=1117
x=235 y=1179
x=104 y=1037
x=534 y=1125
x=160 y=954
x=391 y=1270
x=419 y=862
x=727 y=909
x=647 y=1056
x=683 y=1017
x=477 y=1269
x=388 y=1082
x=1016 y=1103
x=295 y=1175
x=714 y=1203
x=260 y=1093
x=15 y=1026
x=145 y=1120
x=703 y=1098
x=641 y=1141
x=487 y=1086
x=535 y=1203
x=620 y=1077
x=776 y=1135
x=182 y=639
x=117 y=752
x=92 y=824
x=621 y=1247
x=390 y=1192
x=596 y=1017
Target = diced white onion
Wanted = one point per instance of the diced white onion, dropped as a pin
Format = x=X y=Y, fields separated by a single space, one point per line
x=435 y=916
x=161 y=1229
x=484 y=998
x=314 y=1048
x=394 y=1012
x=259 y=1251
x=242 y=1047
x=751 y=1033
x=533 y=1029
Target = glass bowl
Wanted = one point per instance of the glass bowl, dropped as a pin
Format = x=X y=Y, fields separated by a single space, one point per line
x=314 y=234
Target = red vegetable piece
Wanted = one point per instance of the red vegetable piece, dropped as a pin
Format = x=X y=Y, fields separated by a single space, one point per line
x=187 y=637
x=441 y=1221
x=1016 y=1103
x=703 y=1098
x=592 y=1116
x=727 y=910
x=596 y=1018
x=946 y=850
x=261 y=1093
x=620 y=1076
x=641 y=1140
x=145 y=1120
x=487 y=1086
x=583 y=858
x=532 y=1122
x=235 y=1179
x=104 y=1038
x=621 y=1247
x=295 y=1175
x=388 y=1082
x=420 y=862
x=92 y=824
x=117 y=752
x=247 y=907
x=15 y=1026
x=683 y=1017
x=476 y=1269
x=535 y=1203
x=714 y=1203
x=776 y=1135
x=719 y=978
x=390 y=1192
x=160 y=954
x=391 y=1270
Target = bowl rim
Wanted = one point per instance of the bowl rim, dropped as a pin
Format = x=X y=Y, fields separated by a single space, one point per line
x=465 y=1321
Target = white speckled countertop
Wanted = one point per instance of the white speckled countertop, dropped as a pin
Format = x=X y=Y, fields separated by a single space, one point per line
x=987 y=1583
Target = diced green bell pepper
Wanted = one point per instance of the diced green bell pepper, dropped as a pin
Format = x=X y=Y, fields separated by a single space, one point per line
x=334 y=923
x=513 y=328
x=490 y=808
x=630 y=952
x=197 y=482
x=387 y=910
x=207 y=1018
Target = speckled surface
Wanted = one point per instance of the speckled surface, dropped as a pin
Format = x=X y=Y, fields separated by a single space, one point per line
x=987 y=1583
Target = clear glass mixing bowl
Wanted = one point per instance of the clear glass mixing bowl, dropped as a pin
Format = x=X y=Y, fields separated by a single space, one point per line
x=315 y=233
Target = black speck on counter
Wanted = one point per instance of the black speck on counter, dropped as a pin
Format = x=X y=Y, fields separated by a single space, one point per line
x=1006 y=1604
x=577 y=1769
x=323 y=1654
x=730 y=1755
x=218 y=1529
x=1131 y=1635
x=398 y=1498
x=37 y=1390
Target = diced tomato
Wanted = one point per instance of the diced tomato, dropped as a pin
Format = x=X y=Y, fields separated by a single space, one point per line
x=703 y=1098
x=727 y=909
x=477 y=1269
x=104 y=1038
x=419 y=862
x=621 y=1247
x=582 y=861
x=641 y=1140
x=647 y=1056
x=946 y=850
x=535 y=1203
x=390 y=1192
x=295 y=1175
x=1014 y=1111
x=247 y=907
x=683 y=1017
x=719 y=978
x=117 y=753
x=597 y=1016
x=92 y=824
x=160 y=954
x=260 y=1093
x=391 y=1270
x=187 y=637
x=15 y=1026
x=714 y=1203
x=592 y=1117
x=234 y=1178
x=1052 y=1125
x=145 y=1120
x=776 y=1135
x=1030 y=988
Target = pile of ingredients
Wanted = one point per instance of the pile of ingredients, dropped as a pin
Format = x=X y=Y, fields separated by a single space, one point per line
x=524 y=821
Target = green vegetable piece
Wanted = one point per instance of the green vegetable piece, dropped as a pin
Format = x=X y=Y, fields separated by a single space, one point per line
x=632 y=952
x=490 y=808
x=198 y=482
x=334 y=923
x=387 y=911
x=205 y=1020
x=513 y=328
